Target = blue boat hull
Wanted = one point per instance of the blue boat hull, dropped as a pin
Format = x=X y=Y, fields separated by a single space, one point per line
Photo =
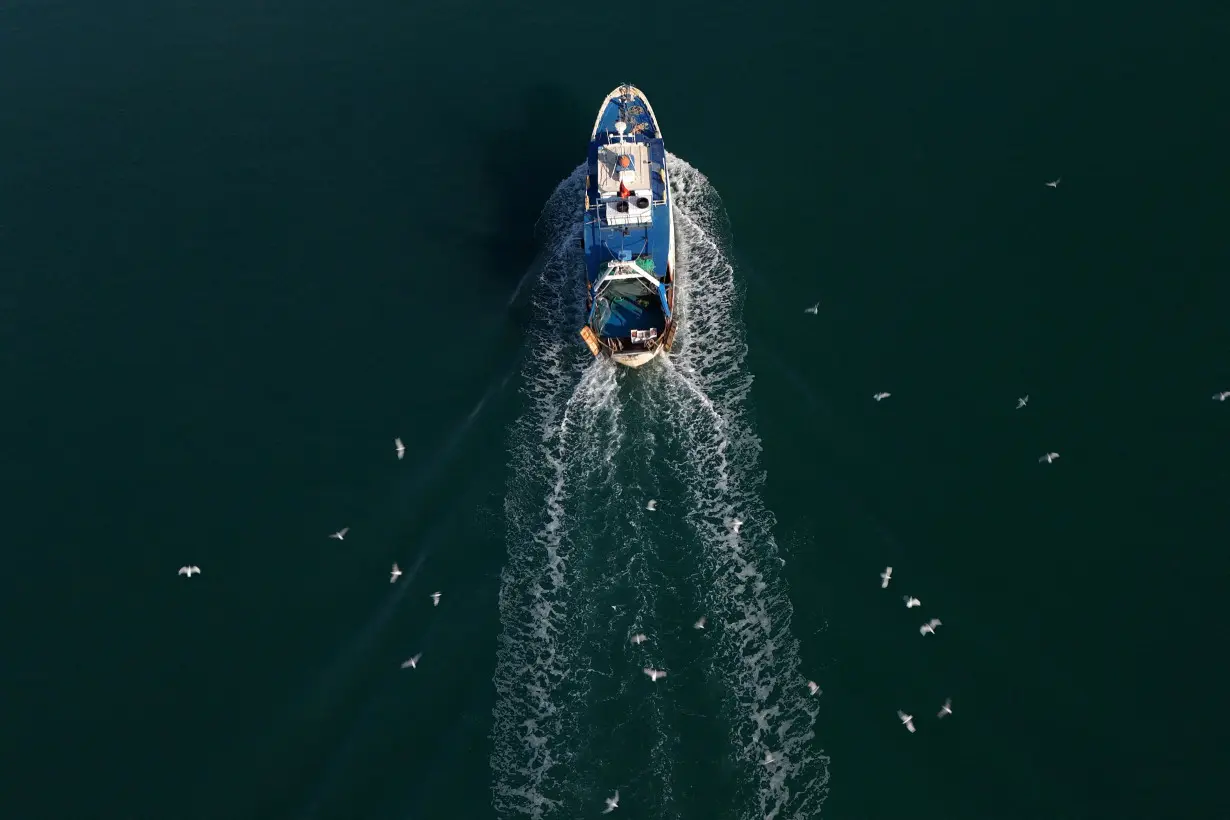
x=628 y=236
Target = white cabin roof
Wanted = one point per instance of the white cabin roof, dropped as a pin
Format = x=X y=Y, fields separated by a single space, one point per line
x=609 y=174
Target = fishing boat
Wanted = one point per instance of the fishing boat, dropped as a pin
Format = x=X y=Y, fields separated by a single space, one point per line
x=628 y=236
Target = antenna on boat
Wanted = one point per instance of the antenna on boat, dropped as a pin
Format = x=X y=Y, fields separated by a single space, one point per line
x=625 y=95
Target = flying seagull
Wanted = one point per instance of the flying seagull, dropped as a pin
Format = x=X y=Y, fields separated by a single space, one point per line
x=612 y=803
x=435 y=599
x=700 y=623
x=654 y=674
x=413 y=663
x=906 y=720
x=399 y=447
x=639 y=638
x=946 y=709
x=1022 y=401
x=395 y=574
x=189 y=571
x=910 y=603
x=652 y=505
x=769 y=758
x=1054 y=183
x=813 y=687
x=929 y=626
x=885 y=577
x=340 y=535
x=1048 y=458
x=814 y=309
x=735 y=525
x=881 y=396
x=1222 y=396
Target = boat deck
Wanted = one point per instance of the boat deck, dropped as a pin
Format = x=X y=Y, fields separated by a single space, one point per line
x=643 y=168
x=626 y=316
x=604 y=241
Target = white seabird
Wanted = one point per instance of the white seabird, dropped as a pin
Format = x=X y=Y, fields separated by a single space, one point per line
x=769 y=758
x=639 y=638
x=735 y=525
x=910 y=603
x=946 y=709
x=885 y=577
x=395 y=574
x=340 y=535
x=413 y=663
x=654 y=674
x=813 y=687
x=700 y=623
x=1222 y=396
x=435 y=599
x=1022 y=401
x=612 y=803
x=906 y=720
x=189 y=571
x=1048 y=458
x=399 y=447
x=814 y=309
x=652 y=505
x=1054 y=183
x=929 y=626
x=881 y=396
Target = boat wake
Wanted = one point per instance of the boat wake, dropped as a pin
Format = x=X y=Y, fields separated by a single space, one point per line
x=589 y=566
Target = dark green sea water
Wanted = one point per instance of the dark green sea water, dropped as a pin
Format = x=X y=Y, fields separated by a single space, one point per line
x=245 y=244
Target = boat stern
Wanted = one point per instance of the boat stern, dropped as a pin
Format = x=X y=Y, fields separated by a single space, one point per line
x=636 y=358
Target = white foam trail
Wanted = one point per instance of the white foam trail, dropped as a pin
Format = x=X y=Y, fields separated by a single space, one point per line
x=541 y=667
x=564 y=450
x=639 y=743
x=705 y=389
x=568 y=433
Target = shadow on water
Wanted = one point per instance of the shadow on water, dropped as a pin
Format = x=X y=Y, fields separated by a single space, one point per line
x=523 y=158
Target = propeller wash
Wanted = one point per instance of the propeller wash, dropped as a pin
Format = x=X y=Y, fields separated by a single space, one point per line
x=588 y=567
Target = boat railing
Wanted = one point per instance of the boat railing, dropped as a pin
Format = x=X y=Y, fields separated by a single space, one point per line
x=593 y=206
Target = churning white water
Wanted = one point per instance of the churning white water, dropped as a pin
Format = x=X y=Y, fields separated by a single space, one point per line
x=586 y=566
